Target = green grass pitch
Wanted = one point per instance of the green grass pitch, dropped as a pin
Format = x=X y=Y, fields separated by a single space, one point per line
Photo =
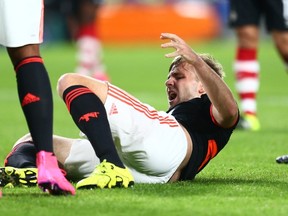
x=243 y=179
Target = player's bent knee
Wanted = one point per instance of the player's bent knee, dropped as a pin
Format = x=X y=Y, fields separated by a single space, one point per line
x=22 y=156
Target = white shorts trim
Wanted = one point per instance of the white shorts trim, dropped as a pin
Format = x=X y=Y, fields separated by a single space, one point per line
x=21 y=22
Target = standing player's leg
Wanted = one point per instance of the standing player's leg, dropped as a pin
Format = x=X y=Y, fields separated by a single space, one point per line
x=23 y=34
x=83 y=25
x=247 y=68
x=245 y=18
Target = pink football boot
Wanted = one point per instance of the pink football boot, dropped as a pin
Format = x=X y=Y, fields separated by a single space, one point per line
x=50 y=178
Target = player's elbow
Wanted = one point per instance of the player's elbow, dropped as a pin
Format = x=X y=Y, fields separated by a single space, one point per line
x=231 y=115
x=226 y=116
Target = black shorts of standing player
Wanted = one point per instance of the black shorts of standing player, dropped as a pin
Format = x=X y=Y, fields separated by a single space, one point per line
x=252 y=12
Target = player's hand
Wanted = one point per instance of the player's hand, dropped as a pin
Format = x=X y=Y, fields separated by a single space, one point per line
x=180 y=46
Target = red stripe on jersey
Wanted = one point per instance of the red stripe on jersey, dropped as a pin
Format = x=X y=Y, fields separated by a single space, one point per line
x=211 y=153
x=152 y=114
x=212 y=116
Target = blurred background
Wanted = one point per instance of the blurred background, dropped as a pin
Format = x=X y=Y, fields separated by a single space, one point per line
x=144 y=20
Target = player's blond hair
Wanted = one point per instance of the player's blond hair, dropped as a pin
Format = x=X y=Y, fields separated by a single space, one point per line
x=207 y=58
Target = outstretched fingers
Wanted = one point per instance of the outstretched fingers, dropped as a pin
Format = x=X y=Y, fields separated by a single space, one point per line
x=175 y=42
x=180 y=46
x=172 y=37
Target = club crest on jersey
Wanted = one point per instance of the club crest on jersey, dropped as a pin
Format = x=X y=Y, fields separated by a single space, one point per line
x=86 y=117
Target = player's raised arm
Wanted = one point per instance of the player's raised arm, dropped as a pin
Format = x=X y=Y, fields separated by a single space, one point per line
x=225 y=109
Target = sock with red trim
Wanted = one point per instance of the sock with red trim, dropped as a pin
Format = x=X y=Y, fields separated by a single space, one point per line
x=89 y=114
x=247 y=69
x=35 y=95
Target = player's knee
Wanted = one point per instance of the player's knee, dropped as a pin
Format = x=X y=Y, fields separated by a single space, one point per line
x=22 y=156
x=64 y=82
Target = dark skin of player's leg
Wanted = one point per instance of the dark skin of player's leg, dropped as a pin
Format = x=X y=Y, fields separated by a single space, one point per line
x=19 y=53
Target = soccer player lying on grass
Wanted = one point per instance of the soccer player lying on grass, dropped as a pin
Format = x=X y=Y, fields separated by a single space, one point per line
x=129 y=141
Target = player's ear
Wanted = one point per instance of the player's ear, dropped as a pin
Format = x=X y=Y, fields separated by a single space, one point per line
x=201 y=89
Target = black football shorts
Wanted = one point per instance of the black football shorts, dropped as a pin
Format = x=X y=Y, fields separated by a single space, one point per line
x=251 y=12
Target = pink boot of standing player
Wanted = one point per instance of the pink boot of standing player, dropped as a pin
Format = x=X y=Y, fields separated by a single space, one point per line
x=50 y=178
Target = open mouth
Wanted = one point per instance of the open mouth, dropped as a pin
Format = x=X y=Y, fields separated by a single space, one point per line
x=171 y=95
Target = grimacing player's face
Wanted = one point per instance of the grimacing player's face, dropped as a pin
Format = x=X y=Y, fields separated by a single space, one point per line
x=181 y=84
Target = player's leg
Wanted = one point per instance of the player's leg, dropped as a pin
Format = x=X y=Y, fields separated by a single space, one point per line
x=86 y=107
x=83 y=24
x=24 y=33
x=20 y=164
x=98 y=87
x=35 y=96
x=35 y=93
x=281 y=42
x=247 y=68
x=276 y=22
x=244 y=17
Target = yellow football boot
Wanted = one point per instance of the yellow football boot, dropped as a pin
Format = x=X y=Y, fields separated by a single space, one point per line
x=249 y=122
x=107 y=175
x=11 y=177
